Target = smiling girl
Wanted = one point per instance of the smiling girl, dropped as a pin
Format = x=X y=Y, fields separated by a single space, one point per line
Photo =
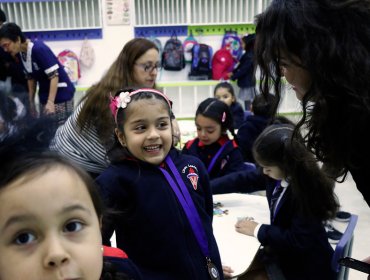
x=162 y=199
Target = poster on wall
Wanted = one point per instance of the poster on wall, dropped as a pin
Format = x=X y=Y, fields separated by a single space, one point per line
x=118 y=12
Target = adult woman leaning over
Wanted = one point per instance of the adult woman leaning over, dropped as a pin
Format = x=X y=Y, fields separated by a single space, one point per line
x=327 y=64
x=87 y=134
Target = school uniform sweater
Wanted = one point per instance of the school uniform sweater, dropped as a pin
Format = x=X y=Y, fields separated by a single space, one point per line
x=248 y=133
x=238 y=114
x=230 y=160
x=244 y=72
x=150 y=223
x=297 y=244
x=245 y=181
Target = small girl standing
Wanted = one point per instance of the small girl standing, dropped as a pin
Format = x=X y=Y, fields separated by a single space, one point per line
x=213 y=147
x=295 y=245
x=244 y=72
x=162 y=198
x=225 y=92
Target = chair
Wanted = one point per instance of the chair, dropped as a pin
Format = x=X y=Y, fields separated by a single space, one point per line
x=344 y=249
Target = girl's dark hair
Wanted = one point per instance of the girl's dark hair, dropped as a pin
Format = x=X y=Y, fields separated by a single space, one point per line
x=263 y=105
x=12 y=31
x=8 y=109
x=26 y=154
x=226 y=85
x=312 y=190
x=337 y=58
x=249 y=41
x=117 y=152
x=33 y=163
x=219 y=112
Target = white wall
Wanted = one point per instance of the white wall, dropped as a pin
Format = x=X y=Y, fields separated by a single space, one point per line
x=106 y=49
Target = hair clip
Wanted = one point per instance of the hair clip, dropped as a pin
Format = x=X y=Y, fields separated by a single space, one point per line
x=120 y=101
x=223 y=117
x=124 y=98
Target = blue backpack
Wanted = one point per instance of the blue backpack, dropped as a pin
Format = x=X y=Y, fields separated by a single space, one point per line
x=173 y=55
x=201 y=66
x=232 y=42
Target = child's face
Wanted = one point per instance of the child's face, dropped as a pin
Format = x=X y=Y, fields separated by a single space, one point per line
x=147 y=130
x=49 y=229
x=273 y=172
x=225 y=96
x=208 y=130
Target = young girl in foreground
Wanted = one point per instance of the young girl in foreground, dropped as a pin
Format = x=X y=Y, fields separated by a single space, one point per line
x=219 y=154
x=295 y=244
x=162 y=198
x=50 y=220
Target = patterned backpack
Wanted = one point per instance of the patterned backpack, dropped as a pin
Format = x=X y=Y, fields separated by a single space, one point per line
x=173 y=55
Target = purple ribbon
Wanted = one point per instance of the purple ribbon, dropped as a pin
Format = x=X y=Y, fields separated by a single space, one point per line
x=216 y=157
x=187 y=204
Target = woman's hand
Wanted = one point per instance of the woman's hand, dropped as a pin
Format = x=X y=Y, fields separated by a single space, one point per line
x=246 y=226
x=49 y=108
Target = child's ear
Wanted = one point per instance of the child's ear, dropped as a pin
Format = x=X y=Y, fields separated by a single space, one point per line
x=120 y=136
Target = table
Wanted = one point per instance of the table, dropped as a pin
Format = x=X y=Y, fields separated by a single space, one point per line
x=238 y=250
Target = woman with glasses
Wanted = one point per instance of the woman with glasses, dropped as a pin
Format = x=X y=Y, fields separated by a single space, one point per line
x=87 y=134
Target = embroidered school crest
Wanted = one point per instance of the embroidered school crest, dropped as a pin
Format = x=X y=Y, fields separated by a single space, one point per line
x=193 y=177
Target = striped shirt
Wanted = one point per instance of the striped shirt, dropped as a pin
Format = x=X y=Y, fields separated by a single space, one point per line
x=83 y=148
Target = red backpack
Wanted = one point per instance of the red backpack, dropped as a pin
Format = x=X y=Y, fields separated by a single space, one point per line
x=222 y=63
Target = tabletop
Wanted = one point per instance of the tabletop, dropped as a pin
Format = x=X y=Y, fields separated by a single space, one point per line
x=238 y=250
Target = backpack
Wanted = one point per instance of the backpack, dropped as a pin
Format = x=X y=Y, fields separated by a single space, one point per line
x=157 y=42
x=188 y=45
x=232 y=42
x=69 y=61
x=87 y=55
x=222 y=64
x=173 y=55
x=201 y=65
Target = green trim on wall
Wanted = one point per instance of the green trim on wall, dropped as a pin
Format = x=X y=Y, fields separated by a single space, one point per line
x=199 y=30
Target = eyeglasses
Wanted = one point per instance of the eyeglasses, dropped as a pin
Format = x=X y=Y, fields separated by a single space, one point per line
x=149 y=67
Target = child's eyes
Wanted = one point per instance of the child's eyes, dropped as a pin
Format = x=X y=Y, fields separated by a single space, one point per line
x=24 y=238
x=73 y=226
x=140 y=128
x=163 y=125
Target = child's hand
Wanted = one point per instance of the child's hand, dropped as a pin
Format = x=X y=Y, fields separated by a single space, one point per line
x=246 y=226
x=228 y=272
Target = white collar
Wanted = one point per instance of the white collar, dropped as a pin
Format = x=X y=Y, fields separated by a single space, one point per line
x=28 y=62
x=284 y=183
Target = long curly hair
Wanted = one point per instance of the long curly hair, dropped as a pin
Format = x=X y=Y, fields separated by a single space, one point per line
x=336 y=108
x=95 y=111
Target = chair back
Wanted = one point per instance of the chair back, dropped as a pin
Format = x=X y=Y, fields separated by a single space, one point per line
x=344 y=249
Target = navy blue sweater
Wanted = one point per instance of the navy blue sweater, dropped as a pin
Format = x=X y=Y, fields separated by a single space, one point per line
x=248 y=133
x=229 y=161
x=298 y=244
x=150 y=223
x=244 y=72
x=238 y=114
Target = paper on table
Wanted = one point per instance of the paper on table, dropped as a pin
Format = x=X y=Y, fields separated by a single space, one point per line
x=238 y=250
